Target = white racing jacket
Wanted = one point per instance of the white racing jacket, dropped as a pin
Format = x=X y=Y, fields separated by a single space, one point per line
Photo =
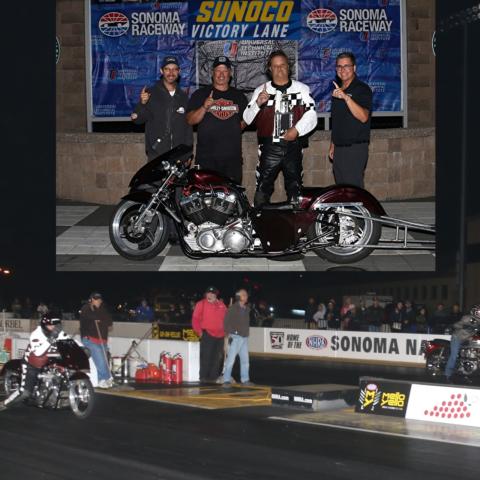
x=40 y=344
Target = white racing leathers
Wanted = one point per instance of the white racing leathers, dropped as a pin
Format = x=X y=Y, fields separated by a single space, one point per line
x=39 y=345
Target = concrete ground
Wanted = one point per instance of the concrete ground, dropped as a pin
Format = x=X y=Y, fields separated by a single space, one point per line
x=82 y=244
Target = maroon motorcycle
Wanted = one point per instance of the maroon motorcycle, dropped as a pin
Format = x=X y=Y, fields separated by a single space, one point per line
x=213 y=217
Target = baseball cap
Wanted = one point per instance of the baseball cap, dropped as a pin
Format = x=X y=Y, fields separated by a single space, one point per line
x=96 y=296
x=222 y=60
x=212 y=289
x=170 y=59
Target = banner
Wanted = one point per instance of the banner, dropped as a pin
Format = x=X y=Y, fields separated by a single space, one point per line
x=445 y=404
x=371 y=29
x=128 y=44
x=129 y=39
x=252 y=20
x=394 y=347
x=383 y=397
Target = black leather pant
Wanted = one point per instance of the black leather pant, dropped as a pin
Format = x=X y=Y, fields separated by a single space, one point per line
x=285 y=157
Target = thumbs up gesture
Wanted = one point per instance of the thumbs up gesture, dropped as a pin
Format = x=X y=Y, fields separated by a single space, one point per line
x=263 y=96
x=144 y=95
x=209 y=101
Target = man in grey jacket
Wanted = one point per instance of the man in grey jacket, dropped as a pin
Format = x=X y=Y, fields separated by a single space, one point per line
x=463 y=330
x=237 y=329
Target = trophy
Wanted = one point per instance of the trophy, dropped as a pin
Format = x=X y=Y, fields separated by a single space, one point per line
x=283 y=116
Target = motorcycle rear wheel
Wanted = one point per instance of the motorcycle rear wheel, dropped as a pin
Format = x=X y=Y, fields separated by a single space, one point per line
x=81 y=397
x=365 y=231
x=137 y=246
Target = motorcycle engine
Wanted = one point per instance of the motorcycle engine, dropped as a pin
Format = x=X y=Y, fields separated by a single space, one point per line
x=215 y=206
x=47 y=389
x=209 y=237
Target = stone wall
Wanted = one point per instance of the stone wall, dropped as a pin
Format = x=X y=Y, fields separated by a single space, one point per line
x=97 y=167
x=71 y=103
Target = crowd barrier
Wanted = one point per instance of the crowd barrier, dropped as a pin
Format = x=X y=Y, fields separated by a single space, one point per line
x=383 y=347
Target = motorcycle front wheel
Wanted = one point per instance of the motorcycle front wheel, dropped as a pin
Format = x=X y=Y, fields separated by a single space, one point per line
x=11 y=382
x=81 y=397
x=347 y=232
x=135 y=243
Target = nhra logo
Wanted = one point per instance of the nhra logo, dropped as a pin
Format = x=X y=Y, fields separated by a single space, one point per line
x=322 y=20
x=277 y=339
x=113 y=24
x=223 y=109
x=316 y=342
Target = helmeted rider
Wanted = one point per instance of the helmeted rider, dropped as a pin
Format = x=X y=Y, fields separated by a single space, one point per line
x=463 y=330
x=42 y=341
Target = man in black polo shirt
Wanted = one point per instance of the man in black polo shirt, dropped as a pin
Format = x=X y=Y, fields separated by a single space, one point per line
x=218 y=110
x=351 y=112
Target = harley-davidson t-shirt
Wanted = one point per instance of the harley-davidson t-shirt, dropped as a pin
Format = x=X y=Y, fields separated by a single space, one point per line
x=219 y=134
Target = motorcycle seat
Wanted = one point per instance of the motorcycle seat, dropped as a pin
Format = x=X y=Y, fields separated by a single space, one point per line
x=277 y=206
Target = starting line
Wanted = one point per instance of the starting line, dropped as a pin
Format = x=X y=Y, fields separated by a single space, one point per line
x=347 y=419
x=204 y=397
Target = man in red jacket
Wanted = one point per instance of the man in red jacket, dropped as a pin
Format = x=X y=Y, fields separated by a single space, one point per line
x=207 y=321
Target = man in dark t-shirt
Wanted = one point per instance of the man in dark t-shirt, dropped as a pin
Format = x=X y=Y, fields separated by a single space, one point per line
x=218 y=111
x=351 y=112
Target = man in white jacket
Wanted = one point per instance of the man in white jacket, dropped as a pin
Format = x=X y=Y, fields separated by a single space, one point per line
x=284 y=113
x=42 y=340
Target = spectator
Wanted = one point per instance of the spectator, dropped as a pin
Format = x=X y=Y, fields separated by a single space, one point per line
x=237 y=327
x=352 y=320
x=16 y=308
x=95 y=321
x=397 y=317
x=27 y=311
x=42 y=309
x=207 y=321
x=319 y=317
x=455 y=314
x=374 y=316
x=264 y=315
x=144 y=312
x=347 y=305
x=439 y=319
x=421 y=320
x=331 y=316
x=310 y=310
x=410 y=315
x=183 y=316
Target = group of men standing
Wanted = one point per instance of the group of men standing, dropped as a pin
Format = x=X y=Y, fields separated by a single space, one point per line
x=282 y=110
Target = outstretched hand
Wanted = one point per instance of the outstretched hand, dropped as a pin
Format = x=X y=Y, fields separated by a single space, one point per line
x=263 y=96
x=339 y=93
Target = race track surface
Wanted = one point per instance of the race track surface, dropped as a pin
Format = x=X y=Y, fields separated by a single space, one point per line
x=136 y=439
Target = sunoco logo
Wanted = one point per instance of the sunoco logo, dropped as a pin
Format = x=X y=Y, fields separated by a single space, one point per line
x=113 y=24
x=322 y=20
x=316 y=342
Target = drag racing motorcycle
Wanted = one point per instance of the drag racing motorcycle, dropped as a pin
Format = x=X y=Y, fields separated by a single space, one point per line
x=213 y=217
x=437 y=351
x=62 y=383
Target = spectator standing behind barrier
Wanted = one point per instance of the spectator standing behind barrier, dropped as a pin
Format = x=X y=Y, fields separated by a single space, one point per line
x=332 y=317
x=310 y=310
x=42 y=310
x=351 y=112
x=421 y=320
x=237 y=328
x=439 y=319
x=95 y=321
x=162 y=108
x=218 y=110
x=144 y=312
x=397 y=317
x=319 y=317
x=374 y=315
x=409 y=322
x=207 y=321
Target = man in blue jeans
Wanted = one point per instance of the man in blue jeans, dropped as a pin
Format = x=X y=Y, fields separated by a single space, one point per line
x=463 y=330
x=237 y=329
x=95 y=322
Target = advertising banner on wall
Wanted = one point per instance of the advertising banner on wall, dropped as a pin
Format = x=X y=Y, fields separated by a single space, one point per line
x=445 y=404
x=383 y=397
x=126 y=41
x=403 y=347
